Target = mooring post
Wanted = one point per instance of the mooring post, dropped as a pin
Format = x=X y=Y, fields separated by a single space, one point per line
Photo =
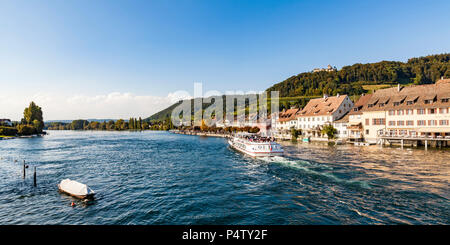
x=426 y=144
x=24 y=169
x=34 y=177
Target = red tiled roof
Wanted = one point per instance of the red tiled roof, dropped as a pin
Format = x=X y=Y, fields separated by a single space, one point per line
x=410 y=97
x=288 y=115
x=321 y=106
x=359 y=104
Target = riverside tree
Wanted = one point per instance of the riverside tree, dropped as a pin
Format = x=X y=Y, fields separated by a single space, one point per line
x=32 y=115
x=329 y=130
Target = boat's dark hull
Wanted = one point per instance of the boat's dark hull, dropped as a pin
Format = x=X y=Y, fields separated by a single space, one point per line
x=88 y=196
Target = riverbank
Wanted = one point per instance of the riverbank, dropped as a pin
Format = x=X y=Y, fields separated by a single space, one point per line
x=198 y=133
x=4 y=137
x=225 y=135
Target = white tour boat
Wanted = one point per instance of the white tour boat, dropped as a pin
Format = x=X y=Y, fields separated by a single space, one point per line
x=256 y=146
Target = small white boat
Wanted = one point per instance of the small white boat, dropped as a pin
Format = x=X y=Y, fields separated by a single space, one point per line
x=76 y=189
x=256 y=146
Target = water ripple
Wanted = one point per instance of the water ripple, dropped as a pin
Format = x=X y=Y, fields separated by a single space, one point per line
x=162 y=178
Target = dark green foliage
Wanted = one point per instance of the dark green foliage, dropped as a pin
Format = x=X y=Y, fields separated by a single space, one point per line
x=349 y=79
x=132 y=124
x=26 y=130
x=78 y=124
x=330 y=131
x=32 y=115
x=8 y=131
x=295 y=133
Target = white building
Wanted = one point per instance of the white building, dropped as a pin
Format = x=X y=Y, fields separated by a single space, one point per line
x=5 y=122
x=417 y=110
x=341 y=127
x=355 y=119
x=284 y=121
x=321 y=111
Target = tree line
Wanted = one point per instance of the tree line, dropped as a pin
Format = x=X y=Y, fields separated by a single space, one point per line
x=118 y=125
x=349 y=79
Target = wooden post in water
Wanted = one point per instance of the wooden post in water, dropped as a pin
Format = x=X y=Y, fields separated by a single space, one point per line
x=24 y=169
x=34 y=177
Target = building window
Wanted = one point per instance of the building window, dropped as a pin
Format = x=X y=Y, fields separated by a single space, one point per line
x=400 y=123
x=432 y=122
x=391 y=123
x=378 y=121
x=421 y=123
x=408 y=111
x=420 y=111
x=444 y=100
x=432 y=111
x=399 y=112
x=443 y=110
x=410 y=123
x=443 y=122
x=367 y=131
x=367 y=121
x=391 y=112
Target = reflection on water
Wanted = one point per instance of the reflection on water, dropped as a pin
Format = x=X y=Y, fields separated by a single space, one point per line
x=409 y=168
x=162 y=178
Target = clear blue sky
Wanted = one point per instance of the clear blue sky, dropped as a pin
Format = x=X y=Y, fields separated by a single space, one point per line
x=157 y=47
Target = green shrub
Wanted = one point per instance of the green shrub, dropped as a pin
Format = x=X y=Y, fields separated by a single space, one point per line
x=26 y=130
x=8 y=131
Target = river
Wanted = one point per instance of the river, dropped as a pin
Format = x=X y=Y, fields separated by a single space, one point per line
x=162 y=178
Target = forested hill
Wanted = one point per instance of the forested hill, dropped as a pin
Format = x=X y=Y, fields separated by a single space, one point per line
x=351 y=79
x=162 y=115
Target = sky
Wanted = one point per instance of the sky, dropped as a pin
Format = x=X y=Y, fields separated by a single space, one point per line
x=120 y=59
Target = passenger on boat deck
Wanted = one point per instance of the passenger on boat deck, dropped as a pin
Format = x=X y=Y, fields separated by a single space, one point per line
x=258 y=139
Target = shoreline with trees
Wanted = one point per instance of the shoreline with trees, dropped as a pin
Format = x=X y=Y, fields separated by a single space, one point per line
x=32 y=124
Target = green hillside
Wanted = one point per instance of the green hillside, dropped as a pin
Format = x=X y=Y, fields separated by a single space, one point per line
x=351 y=80
x=162 y=115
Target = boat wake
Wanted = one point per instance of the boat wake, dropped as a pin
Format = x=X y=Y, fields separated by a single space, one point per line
x=313 y=168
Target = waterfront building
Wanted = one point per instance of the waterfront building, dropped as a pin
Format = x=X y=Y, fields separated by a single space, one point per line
x=355 y=126
x=284 y=121
x=413 y=111
x=341 y=127
x=321 y=111
x=5 y=122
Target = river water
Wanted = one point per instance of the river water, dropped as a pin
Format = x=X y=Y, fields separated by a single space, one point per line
x=163 y=178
